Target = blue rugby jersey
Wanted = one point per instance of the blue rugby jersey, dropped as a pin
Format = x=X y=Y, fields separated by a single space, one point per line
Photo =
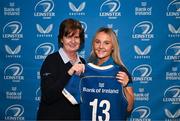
x=98 y=92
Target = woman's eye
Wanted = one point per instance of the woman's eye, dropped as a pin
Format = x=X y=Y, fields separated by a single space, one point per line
x=77 y=37
x=97 y=42
x=106 y=42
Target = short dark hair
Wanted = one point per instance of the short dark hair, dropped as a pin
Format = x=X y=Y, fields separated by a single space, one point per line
x=69 y=26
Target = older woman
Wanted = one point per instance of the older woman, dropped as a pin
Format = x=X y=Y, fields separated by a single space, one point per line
x=57 y=69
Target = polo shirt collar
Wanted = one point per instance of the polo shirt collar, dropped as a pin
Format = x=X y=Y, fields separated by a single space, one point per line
x=65 y=57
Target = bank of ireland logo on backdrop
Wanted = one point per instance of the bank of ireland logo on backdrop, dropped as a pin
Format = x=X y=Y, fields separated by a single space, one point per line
x=174 y=31
x=14 y=94
x=44 y=31
x=13 y=52
x=143 y=30
x=142 y=53
x=77 y=9
x=172 y=94
x=173 y=9
x=110 y=9
x=172 y=52
x=173 y=74
x=43 y=50
x=12 y=10
x=13 y=30
x=14 y=112
x=141 y=113
x=14 y=72
x=141 y=95
x=44 y=9
x=172 y=115
x=142 y=73
x=143 y=10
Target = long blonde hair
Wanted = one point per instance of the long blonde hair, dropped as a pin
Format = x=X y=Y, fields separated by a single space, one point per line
x=116 y=50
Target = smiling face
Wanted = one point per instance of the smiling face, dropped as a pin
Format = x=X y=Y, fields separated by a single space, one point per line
x=103 y=47
x=71 y=42
x=71 y=35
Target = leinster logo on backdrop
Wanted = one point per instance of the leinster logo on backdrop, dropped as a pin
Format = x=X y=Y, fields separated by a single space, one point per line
x=141 y=113
x=84 y=25
x=172 y=94
x=14 y=72
x=15 y=112
x=173 y=9
x=12 y=30
x=173 y=52
x=38 y=93
x=43 y=50
x=142 y=73
x=110 y=9
x=44 y=8
x=143 y=31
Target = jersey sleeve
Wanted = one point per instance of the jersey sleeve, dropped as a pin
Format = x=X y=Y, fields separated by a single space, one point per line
x=72 y=90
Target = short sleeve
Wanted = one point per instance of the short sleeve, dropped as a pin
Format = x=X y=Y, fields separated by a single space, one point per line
x=72 y=90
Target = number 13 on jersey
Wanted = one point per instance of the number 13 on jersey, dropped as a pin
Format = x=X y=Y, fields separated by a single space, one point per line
x=97 y=105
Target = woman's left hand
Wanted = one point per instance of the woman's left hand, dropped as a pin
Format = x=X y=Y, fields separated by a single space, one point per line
x=122 y=78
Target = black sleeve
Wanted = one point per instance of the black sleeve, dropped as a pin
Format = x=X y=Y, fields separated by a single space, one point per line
x=53 y=77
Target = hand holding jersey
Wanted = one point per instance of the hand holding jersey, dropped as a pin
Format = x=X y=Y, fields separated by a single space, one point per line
x=122 y=78
x=77 y=69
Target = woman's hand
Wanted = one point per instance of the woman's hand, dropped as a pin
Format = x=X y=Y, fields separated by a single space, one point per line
x=77 y=69
x=129 y=93
x=122 y=78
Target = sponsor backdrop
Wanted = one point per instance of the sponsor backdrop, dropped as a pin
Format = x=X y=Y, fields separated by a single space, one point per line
x=148 y=32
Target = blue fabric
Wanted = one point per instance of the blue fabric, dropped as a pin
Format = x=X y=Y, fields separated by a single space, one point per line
x=99 y=94
x=110 y=61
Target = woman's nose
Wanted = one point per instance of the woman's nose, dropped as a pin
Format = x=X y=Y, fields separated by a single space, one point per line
x=73 y=39
x=101 y=45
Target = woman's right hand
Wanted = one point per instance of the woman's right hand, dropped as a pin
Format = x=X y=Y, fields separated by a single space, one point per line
x=77 y=69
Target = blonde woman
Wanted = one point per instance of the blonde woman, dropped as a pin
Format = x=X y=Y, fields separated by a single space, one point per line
x=104 y=89
x=106 y=51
